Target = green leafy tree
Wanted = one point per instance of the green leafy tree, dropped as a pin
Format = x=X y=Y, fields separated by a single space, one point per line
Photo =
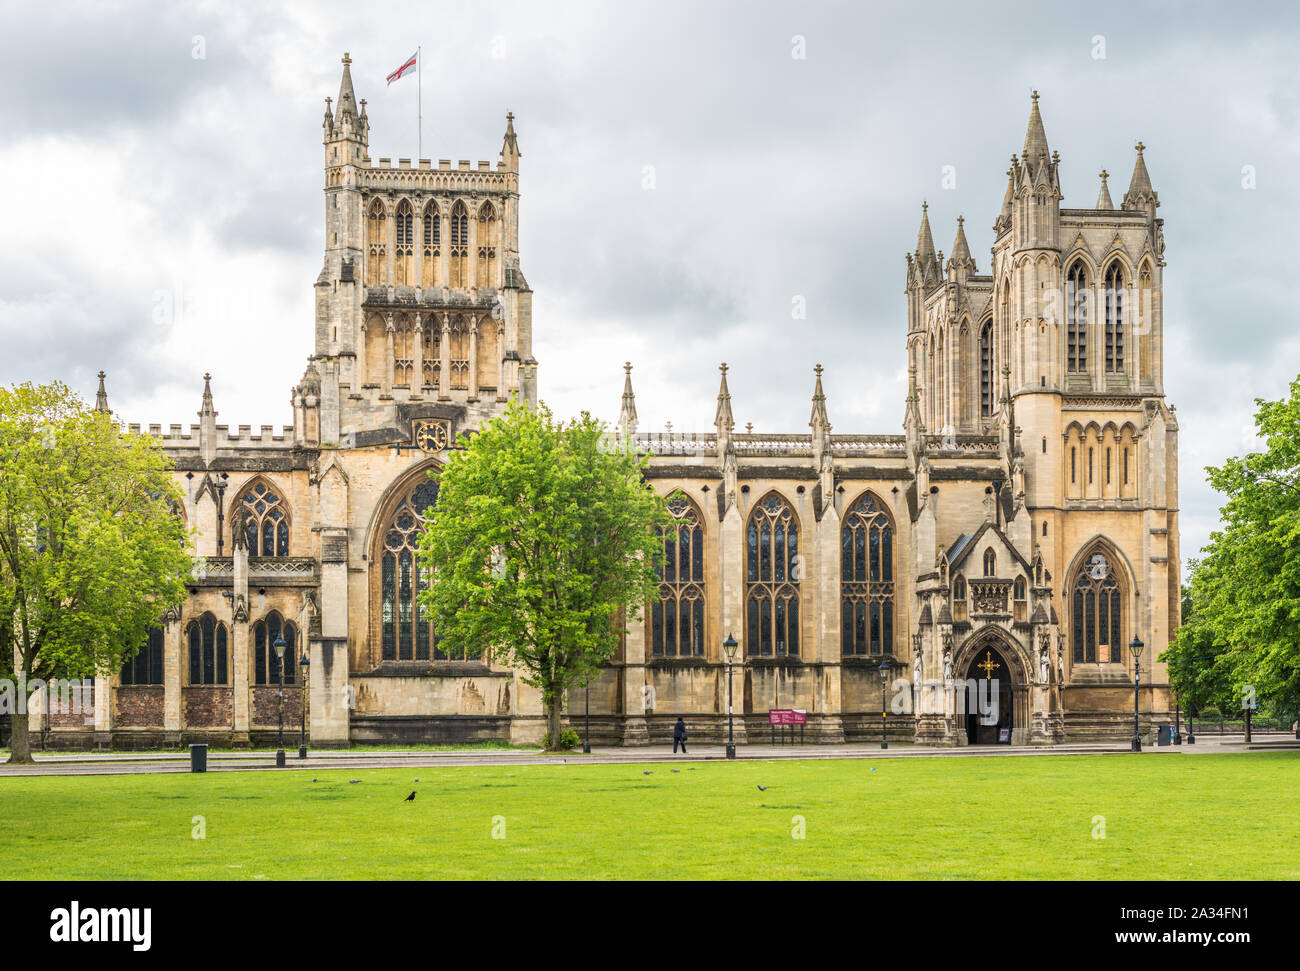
x=540 y=537
x=1200 y=669
x=1245 y=591
x=92 y=551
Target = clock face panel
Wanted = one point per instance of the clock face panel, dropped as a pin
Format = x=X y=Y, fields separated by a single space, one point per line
x=433 y=436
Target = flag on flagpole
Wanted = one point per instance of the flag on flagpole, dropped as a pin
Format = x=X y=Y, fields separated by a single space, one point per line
x=406 y=68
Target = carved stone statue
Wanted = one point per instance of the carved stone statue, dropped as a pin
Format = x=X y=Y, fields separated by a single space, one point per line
x=917 y=669
x=947 y=666
x=1044 y=666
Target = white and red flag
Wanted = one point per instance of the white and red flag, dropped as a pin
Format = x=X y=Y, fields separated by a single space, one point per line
x=411 y=63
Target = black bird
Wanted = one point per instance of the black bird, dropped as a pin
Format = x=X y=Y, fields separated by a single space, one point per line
x=762 y=788
x=645 y=772
x=410 y=798
x=677 y=770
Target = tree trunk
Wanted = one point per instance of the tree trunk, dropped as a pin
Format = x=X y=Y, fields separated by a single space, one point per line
x=19 y=744
x=553 y=720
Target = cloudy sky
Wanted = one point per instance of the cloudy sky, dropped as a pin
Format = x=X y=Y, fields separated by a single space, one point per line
x=164 y=211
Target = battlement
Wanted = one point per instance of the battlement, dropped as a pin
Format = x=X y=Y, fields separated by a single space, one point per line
x=464 y=177
x=242 y=438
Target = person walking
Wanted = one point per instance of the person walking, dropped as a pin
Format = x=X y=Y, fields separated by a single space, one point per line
x=679 y=735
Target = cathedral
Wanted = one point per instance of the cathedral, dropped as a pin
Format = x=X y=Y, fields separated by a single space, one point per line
x=979 y=576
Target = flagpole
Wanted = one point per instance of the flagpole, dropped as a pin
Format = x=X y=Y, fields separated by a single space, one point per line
x=419 y=98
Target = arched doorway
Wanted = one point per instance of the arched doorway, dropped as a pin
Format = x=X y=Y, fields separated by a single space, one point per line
x=990 y=707
x=994 y=690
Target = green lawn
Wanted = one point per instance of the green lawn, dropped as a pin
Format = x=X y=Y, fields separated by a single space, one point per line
x=1166 y=816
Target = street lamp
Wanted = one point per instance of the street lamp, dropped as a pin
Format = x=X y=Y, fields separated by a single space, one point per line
x=279 y=646
x=1136 y=647
x=1178 y=730
x=586 y=719
x=729 y=646
x=304 y=665
x=884 y=681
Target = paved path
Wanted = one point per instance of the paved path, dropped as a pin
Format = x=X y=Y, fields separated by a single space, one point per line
x=150 y=763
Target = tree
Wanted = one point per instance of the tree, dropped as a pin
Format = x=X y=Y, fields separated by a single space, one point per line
x=92 y=549
x=540 y=536
x=1245 y=591
x=1200 y=669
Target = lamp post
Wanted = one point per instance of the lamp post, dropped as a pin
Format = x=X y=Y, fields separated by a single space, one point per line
x=884 y=681
x=586 y=718
x=729 y=646
x=279 y=646
x=1136 y=647
x=1191 y=728
x=1178 y=731
x=304 y=665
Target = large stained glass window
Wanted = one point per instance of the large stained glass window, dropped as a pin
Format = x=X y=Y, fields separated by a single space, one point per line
x=1096 y=612
x=677 y=617
x=406 y=629
x=207 y=640
x=265 y=520
x=867 y=579
x=773 y=570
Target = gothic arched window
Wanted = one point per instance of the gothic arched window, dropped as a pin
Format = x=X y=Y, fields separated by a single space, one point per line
x=376 y=245
x=146 y=667
x=266 y=520
x=990 y=562
x=1114 y=319
x=1096 y=610
x=405 y=243
x=986 y=369
x=405 y=628
x=207 y=640
x=1076 y=319
x=432 y=245
x=677 y=617
x=773 y=569
x=867 y=579
x=266 y=666
x=459 y=245
x=487 y=246
x=959 y=588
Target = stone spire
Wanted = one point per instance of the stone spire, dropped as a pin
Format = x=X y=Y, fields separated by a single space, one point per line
x=960 y=264
x=722 y=418
x=207 y=424
x=924 y=238
x=820 y=423
x=1103 y=197
x=205 y=408
x=1035 y=136
x=627 y=414
x=328 y=123
x=1140 y=194
x=101 y=396
x=347 y=96
x=510 y=153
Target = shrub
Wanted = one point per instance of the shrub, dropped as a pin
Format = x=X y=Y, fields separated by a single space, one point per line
x=568 y=739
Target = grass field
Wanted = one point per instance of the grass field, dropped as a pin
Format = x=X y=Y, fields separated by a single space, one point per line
x=1166 y=816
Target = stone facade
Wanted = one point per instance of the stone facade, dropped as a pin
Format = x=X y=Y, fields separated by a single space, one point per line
x=1023 y=525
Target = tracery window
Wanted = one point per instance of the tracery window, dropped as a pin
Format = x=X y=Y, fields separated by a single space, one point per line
x=990 y=563
x=773 y=573
x=405 y=627
x=487 y=249
x=432 y=245
x=1114 y=319
x=376 y=245
x=677 y=617
x=207 y=640
x=405 y=242
x=265 y=519
x=266 y=666
x=986 y=369
x=959 y=588
x=459 y=245
x=1076 y=323
x=1096 y=612
x=867 y=579
x=146 y=667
